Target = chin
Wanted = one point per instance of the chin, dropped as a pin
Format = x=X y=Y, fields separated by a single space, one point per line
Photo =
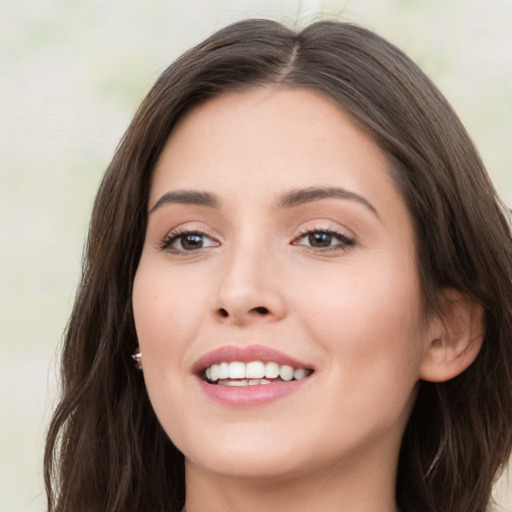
x=247 y=452
x=249 y=464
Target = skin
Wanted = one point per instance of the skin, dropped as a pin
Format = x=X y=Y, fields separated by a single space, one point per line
x=350 y=310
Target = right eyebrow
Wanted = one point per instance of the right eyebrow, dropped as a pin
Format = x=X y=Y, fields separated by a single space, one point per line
x=185 y=196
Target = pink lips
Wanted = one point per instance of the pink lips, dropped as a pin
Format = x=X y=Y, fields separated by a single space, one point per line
x=247 y=395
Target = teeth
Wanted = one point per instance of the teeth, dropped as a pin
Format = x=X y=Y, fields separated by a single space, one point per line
x=223 y=371
x=255 y=382
x=271 y=370
x=286 y=372
x=236 y=370
x=243 y=382
x=255 y=370
x=300 y=373
x=252 y=373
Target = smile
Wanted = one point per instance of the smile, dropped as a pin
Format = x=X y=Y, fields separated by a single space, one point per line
x=249 y=376
x=237 y=373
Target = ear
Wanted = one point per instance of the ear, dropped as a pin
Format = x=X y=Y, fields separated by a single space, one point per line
x=455 y=338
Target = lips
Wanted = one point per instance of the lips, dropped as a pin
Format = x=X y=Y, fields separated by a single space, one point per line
x=249 y=375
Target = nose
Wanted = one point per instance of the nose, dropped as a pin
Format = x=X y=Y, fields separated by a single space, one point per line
x=250 y=289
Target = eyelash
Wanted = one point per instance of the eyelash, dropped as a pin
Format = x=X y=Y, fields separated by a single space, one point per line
x=177 y=234
x=344 y=242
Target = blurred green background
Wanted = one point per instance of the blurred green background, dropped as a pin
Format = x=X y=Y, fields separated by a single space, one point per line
x=71 y=76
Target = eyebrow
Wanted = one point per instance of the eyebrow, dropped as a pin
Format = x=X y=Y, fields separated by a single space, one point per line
x=290 y=199
x=186 y=197
x=308 y=195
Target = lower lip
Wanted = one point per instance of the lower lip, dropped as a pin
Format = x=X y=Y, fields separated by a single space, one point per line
x=246 y=396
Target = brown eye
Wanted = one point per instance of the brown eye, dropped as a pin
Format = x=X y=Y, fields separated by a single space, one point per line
x=187 y=242
x=325 y=239
x=319 y=239
x=191 y=242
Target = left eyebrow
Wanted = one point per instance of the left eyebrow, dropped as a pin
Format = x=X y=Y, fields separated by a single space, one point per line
x=308 y=195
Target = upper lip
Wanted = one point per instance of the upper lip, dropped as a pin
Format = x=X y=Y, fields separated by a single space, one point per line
x=246 y=354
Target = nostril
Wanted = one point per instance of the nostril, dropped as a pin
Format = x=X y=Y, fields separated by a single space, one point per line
x=261 y=310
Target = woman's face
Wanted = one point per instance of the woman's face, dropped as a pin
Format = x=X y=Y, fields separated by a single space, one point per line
x=277 y=244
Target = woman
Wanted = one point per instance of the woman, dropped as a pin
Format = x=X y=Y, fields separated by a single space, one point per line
x=298 y=244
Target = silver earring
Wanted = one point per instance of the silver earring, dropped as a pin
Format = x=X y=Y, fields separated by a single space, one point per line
x=137 y=357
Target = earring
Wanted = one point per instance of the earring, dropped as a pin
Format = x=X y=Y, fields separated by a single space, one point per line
x=137 y=357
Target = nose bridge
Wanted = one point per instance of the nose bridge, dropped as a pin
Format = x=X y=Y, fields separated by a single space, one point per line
x=249 y=287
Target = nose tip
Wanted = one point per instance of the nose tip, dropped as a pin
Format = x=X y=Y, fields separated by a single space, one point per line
x=245 y=296
x=248 y=289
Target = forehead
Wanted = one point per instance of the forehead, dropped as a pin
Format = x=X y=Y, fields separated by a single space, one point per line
x=268 y=139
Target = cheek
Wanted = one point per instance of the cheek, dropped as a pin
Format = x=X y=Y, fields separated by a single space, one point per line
x=369 y=321
x=167 y=320
x=167 y=313
x=165 y=306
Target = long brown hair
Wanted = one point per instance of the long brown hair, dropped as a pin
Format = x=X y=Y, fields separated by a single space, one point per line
x=106 y=450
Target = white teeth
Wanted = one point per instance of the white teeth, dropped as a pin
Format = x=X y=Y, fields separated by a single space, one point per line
x=255 y=382
x=271 y=370
x=252 y=373
x=236 y=370
x=223 y=371
x=255 y=370
x=300 y=373
x=286 y=372
x=243 y=382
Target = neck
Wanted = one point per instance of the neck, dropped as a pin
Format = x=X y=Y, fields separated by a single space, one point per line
x=347 y=487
